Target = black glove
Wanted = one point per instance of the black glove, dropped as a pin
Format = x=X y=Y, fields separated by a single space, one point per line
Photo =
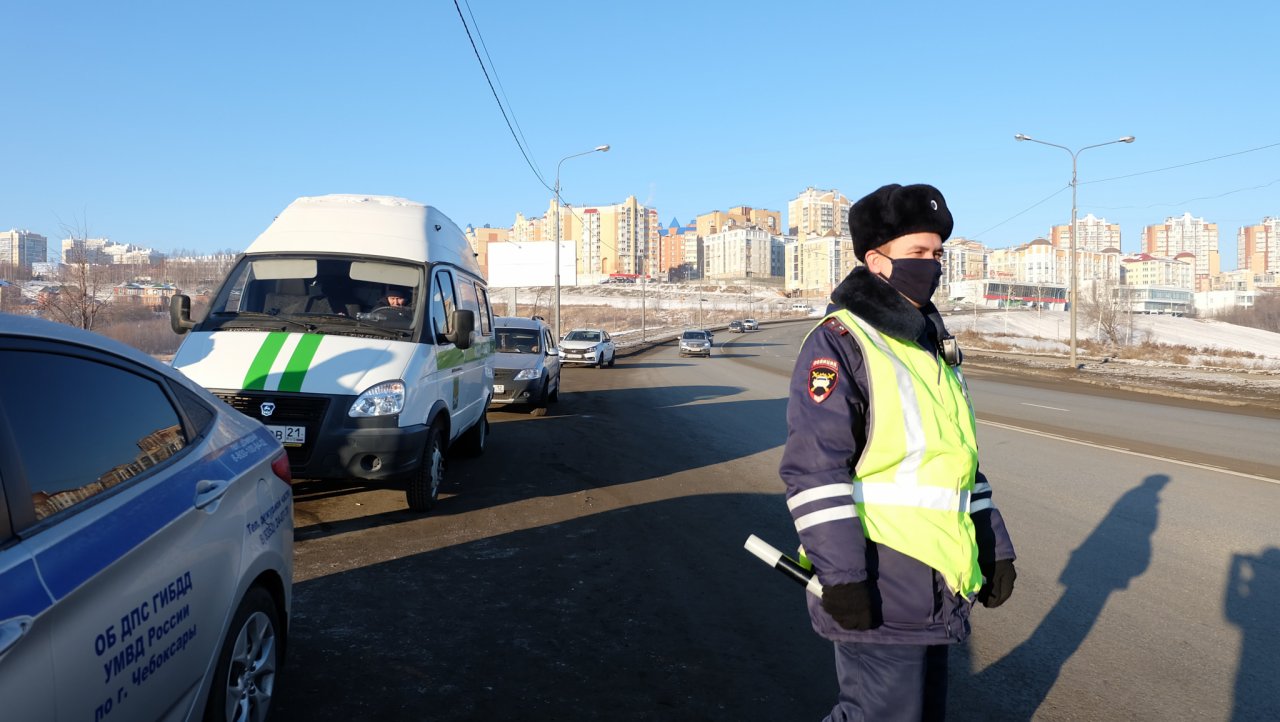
x=999 y=587
x=849 y=604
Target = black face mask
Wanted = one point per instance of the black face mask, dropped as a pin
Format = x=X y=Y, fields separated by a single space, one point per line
x=915 y=278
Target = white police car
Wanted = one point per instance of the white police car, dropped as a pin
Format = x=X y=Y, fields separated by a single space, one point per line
x=146 y=538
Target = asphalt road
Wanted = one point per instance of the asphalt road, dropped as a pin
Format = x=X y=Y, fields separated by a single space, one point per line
x=590 y=565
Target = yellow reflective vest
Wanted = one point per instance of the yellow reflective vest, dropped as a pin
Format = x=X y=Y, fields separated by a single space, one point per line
x=914 y=476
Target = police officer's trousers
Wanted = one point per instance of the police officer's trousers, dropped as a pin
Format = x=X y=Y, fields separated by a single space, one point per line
x=890 y=683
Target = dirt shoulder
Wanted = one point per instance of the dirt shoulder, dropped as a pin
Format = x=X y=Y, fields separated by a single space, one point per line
x=1241 y=389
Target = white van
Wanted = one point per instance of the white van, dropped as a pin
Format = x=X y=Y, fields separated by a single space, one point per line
x=358 y=330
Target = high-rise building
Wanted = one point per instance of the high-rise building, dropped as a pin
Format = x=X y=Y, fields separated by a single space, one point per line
x=609 y=239
x=717 y=221
x=743 y=252
x=816 y=212
x=1258 y=247
x=23 y=248
x=679 y=252
x=1185 y=234
x=1094 y=234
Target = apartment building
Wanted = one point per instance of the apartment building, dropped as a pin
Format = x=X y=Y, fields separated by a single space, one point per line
x=717 y=221
x=813 y=267
x=963 y=260
x=1093 y=234
x=1144 y=269
x=1258 y=247
x=1185 y=234
x=23 y=248
x=1040 y=262
x=480 y=238
x=817 y=212
x=679 y=252
x=743 y=252
x=618 y=238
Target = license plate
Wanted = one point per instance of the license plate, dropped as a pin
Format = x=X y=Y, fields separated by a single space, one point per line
x=290 y=435
x=499 y=388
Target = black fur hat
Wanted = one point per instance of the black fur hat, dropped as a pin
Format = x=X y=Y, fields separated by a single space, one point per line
x=895 y=210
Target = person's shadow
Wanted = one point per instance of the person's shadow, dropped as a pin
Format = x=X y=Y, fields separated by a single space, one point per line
x=1253 y=591
x=1118 y=551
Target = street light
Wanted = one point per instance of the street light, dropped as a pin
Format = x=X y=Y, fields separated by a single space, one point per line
x=600 y=149
x=1074 y=278
x=700 y=300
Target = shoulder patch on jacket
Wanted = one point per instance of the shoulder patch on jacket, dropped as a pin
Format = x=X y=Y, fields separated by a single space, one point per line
x=823 y=375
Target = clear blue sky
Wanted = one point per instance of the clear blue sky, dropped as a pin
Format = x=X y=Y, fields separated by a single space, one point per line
x=174 y=125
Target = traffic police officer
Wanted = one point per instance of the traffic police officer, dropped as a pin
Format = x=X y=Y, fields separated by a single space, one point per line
x=881 y=470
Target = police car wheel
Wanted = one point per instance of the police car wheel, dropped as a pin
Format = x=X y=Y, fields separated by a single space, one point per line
x=423 y=488
x=244 y=681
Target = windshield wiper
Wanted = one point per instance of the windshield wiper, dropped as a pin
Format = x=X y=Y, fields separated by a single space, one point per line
x=266 y=316
x=347 y=320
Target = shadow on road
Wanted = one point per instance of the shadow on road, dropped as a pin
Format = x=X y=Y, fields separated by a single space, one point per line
x=570 y=450
x=1253 y=592
x=1115 y=553
x=624 y=615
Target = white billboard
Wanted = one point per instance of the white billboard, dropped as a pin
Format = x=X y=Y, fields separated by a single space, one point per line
x=531 y=264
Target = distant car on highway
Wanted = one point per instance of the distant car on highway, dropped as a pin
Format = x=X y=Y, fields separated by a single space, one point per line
x=695 y=343
x=526 y=365
x=146 y=538
x=751 y=324
x=588 y=346
x=736 y=327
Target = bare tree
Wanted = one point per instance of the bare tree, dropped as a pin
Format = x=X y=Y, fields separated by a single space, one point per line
x=76 y=301
x=1107 y=307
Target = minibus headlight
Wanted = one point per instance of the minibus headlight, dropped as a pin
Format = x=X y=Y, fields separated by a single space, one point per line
x=382 y=400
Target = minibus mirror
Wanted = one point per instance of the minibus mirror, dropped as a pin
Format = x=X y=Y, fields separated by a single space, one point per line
x=464 y=322
x=180 y=313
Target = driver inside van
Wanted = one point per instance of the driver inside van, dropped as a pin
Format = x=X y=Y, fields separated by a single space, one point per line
x=395 y=297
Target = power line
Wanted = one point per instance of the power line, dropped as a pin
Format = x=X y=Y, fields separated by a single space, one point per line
x=514 y=119
x=1191 y=200
x=496 y=99
x=1019 y=213
x=1180 y=165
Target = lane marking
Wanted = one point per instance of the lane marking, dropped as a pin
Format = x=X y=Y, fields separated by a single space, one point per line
x=1120 y=450
x=1041 y=406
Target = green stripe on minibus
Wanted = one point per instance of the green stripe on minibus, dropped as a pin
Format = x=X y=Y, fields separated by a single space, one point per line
x=256 y=379
x=300 y=361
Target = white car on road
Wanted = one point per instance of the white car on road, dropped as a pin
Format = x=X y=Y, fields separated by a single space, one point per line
x=146 y=538
x=751 y=324
x=589 y=346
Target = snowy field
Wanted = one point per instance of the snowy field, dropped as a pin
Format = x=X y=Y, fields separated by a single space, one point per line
x=1049 y=332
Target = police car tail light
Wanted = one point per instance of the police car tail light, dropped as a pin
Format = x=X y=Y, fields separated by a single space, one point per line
x=528 y=374
x=280 y=467
x=382 y=400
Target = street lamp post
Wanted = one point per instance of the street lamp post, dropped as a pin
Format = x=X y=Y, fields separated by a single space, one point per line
x=1074 y=277
x=598 y=148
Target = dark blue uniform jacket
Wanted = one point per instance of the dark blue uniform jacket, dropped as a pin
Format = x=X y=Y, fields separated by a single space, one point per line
x=824 y=441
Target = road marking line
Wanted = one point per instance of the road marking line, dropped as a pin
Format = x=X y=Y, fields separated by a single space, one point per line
x=1117 y=449
x=1039 y=406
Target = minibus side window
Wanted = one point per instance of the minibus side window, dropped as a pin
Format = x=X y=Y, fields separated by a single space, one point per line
x=485 y=312
x=442 y=305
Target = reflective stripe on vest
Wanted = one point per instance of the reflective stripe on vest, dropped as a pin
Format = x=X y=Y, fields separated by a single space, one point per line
x=914 y=477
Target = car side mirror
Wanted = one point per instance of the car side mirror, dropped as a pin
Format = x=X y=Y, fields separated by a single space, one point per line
x=464 y=323
x=180 y=313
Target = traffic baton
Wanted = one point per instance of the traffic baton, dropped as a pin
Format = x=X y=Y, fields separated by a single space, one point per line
x=791 y=568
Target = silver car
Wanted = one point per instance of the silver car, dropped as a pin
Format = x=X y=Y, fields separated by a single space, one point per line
x=590 y=346
x=146 y=538
x=695 y=343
